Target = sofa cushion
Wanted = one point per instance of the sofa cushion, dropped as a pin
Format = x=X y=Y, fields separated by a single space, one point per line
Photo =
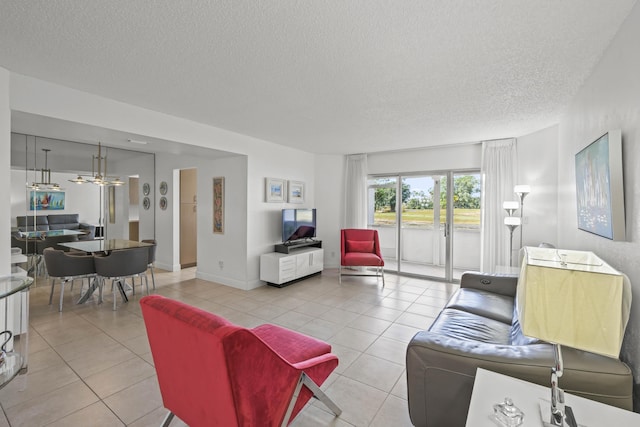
x=483 y=303
x=362 y=259
x=63 y=221
x=466 y=326
x=25 y=223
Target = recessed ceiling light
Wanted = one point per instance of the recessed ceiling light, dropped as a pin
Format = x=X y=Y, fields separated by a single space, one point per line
x=137 y=142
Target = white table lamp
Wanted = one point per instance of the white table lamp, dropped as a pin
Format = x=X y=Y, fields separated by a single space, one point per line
x=571 y=298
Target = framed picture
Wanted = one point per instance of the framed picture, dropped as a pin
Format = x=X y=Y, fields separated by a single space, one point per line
x=46 y=201
x=275 y=190
x=146 y=189
x=296 y=192
x=163 y=203
x=218 y=205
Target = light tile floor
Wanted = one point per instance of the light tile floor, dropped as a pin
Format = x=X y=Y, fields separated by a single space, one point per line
x=90 y=365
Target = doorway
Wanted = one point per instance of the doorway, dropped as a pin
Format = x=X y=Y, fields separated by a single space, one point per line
x=188 y=217
x=432 y=229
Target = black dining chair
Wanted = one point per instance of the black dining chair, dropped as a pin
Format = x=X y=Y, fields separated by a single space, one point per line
x=67 y=268
x=51 y=242
x=120 y=265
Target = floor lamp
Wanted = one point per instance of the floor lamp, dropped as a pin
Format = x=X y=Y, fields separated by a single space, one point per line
x=512 y=222
x=521 y=191
x=555 y=282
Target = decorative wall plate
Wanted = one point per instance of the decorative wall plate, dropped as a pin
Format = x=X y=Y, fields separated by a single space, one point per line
x=163 y=203
x=146 y=189
x=146 y=203
x=163 y=188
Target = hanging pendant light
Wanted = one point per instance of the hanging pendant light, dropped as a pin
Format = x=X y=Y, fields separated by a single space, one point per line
x=45 y=176
x=98 y=172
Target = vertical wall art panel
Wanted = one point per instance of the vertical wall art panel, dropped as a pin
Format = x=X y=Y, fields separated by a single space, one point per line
x=218 y=205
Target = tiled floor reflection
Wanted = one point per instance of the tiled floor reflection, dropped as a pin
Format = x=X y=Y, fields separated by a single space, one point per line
x=90 y=365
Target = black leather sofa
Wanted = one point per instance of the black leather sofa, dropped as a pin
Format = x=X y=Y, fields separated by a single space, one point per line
x=479 y=328
x=56 y=222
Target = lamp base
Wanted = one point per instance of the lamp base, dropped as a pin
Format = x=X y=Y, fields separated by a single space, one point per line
x=545 y=415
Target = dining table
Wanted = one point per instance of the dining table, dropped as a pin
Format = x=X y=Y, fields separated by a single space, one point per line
x=101 y=246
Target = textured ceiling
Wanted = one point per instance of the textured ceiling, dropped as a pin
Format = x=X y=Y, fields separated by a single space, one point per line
x=329 y=76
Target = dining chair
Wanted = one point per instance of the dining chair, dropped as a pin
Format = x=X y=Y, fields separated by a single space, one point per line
x=120 y=265
x=51 y=242
x=360 y=248
x=212 y=372
x=67 y=268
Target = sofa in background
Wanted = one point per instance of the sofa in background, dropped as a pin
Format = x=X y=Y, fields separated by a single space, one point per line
x=478 y=328
x=56 y=222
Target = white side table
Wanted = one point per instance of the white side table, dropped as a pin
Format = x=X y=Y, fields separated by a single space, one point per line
x=490 y=388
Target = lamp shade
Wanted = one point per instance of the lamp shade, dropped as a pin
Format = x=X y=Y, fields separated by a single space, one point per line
x=522 y=189
x=573 y=298
x=514 y=205
x=512 y=220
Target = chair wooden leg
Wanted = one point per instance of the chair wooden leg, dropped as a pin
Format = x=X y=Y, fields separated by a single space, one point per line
x=167 y=419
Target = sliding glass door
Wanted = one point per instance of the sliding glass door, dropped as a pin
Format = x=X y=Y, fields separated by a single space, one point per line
x=433 y=229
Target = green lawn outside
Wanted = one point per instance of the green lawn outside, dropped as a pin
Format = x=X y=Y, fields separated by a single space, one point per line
x=425 y=217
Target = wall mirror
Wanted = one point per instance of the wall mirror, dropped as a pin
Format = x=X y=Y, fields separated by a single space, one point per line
x=57 y=177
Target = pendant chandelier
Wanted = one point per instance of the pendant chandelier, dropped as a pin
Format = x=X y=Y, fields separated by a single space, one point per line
x=45 y=177
x=98 y=172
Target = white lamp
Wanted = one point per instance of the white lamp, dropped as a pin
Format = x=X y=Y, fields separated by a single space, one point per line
x=510 y=207
x=521 y=191
x=512 y=222
x=571 y=298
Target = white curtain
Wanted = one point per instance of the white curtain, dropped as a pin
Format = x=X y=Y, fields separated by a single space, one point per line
x=498 y=178
x=356 y=191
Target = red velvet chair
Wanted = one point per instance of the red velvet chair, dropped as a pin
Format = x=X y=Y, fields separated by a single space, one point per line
x=214 y=373
x=360 y=248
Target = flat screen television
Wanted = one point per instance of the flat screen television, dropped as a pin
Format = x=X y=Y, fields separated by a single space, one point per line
x=599 y=187
x=298 y=224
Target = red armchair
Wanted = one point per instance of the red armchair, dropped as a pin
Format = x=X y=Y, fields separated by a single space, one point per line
x=214 y=373
x=360 y=248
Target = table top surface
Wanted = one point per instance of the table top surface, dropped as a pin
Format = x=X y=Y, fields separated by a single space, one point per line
x=490 y=388
x=12 y=284
x=47 y=233
x=104 y=245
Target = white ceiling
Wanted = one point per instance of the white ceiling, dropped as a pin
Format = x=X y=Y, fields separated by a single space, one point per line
x=330 y=76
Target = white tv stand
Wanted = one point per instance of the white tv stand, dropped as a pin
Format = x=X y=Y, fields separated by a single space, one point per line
x=300 y=261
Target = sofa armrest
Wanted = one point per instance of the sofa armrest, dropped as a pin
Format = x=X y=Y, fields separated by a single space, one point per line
x=90 y=229
x=441 y=370
x=503 y=284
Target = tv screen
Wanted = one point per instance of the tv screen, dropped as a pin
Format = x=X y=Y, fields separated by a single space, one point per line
x=298 y=224
x=599 y=187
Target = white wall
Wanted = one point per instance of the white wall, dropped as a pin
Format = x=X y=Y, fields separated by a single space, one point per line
x=329 y=179
x=264 y=220
x=609 y=99
x=538 y=167
x=5 y=167
x=228 y=248
x=464 y=156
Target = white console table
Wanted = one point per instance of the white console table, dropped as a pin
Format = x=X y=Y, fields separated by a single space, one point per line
x=490 y=388
x=278 y=269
